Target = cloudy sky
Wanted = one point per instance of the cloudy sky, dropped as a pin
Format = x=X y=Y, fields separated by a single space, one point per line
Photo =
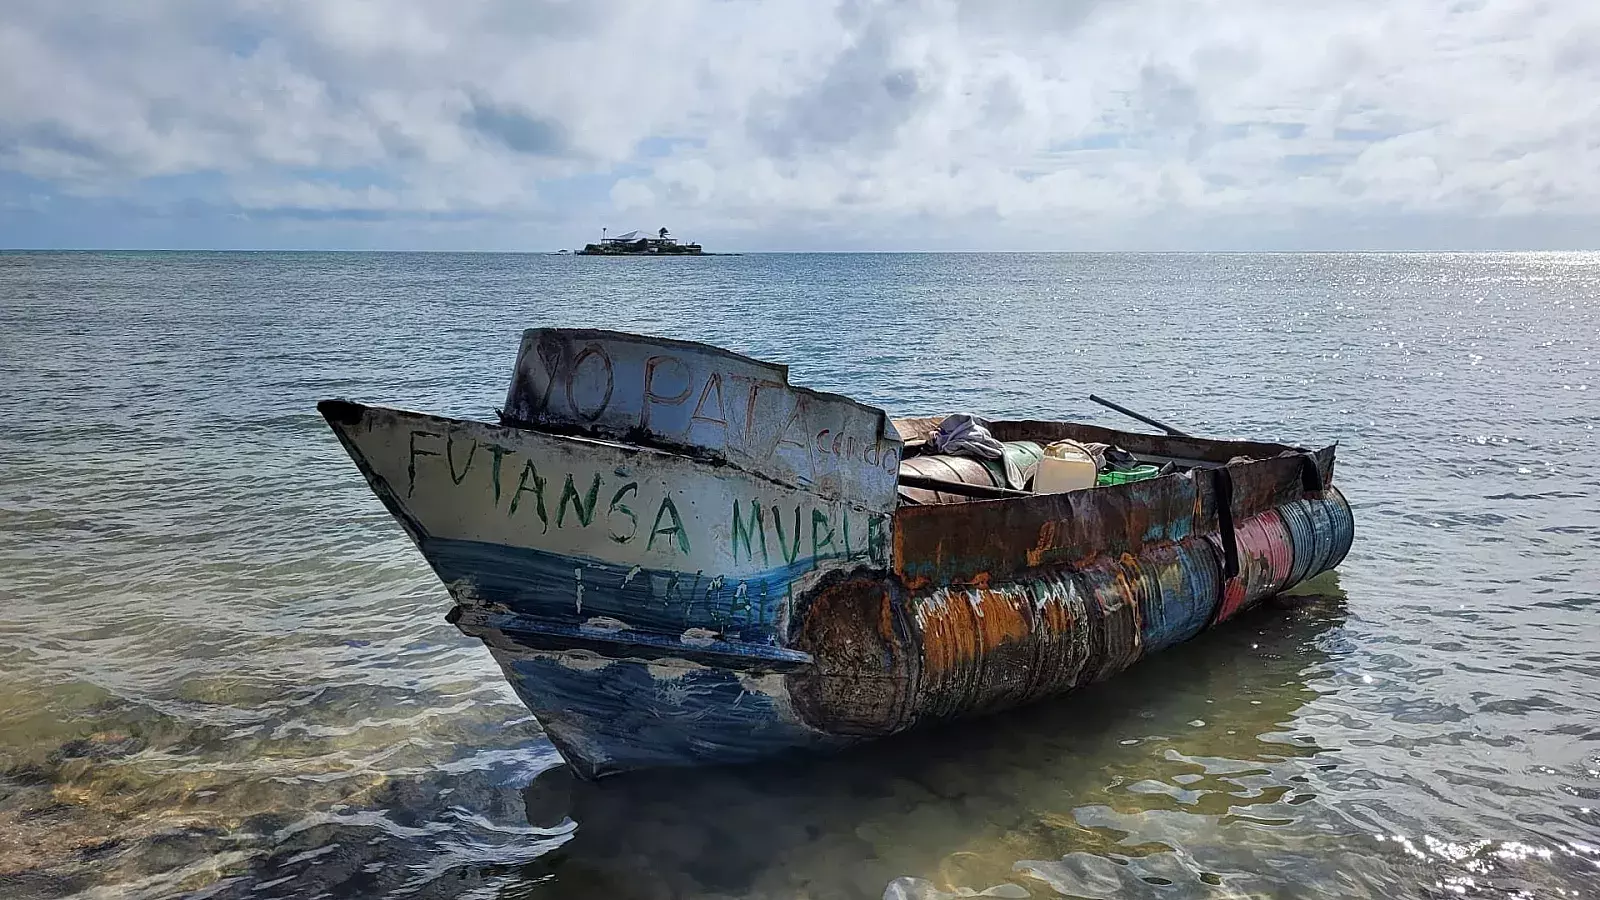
x=801 y=124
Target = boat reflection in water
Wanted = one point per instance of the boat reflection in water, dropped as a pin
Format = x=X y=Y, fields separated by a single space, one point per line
x=1046 y=798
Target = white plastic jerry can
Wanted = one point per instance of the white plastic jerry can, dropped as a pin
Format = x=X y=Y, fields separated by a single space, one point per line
x=1065 y=466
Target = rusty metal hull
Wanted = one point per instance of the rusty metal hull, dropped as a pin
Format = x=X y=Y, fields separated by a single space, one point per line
x=677 y=559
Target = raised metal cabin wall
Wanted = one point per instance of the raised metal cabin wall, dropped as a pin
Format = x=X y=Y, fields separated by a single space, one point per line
x=694 y=397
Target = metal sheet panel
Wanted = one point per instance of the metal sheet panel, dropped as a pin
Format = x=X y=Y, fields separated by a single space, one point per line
x=687 y=396
x=975 y=543
x=1264 y=484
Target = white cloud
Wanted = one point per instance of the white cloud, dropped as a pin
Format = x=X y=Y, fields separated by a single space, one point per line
x=971 y=120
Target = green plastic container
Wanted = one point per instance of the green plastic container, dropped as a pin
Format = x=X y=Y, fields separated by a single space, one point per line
x=1139 y=474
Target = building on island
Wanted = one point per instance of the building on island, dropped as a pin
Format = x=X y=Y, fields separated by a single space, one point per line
x=640 y=243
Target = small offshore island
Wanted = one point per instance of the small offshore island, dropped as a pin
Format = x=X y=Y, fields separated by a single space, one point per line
x=638 y=243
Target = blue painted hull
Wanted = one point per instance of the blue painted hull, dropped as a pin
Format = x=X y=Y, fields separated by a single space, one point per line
x=614 y=699
x=612 y=715
x=563 y=590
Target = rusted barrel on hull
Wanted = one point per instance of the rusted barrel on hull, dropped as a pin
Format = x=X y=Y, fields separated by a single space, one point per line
x=1068 y=642
x=865 y=660
x=979 y=645
x=1265 y=561
x=1116 y=590
x=1344 y=526
x=1286 y=546
x=1321 y=530
x=1309 y=549
x=984 y=648
x=1183 y=587
x=887 y=657
x=991 y=648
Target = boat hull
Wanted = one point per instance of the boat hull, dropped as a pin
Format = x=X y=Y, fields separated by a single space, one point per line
x=883 y=659
x=614 y=713
x=676 y=559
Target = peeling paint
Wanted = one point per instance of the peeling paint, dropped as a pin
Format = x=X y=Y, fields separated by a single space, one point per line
x=670 y=669
x=581 y=660
x=606 y=623
x=697 y=637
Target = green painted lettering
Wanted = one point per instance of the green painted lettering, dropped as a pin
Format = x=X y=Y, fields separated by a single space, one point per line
x=790 y=553
x=498 y=453
x=450 y=459
x=584 y=509
x=675 y=530
x=411 y=465
x=745 y=529
x=617 y=506
x=530 y=471
x=819 y=521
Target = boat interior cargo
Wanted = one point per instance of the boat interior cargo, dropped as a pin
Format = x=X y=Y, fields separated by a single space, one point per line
x=1012 y=459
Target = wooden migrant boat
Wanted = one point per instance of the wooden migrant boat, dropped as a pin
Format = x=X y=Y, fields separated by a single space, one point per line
x=677 y=557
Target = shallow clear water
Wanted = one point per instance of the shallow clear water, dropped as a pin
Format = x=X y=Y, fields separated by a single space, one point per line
x=225 y=673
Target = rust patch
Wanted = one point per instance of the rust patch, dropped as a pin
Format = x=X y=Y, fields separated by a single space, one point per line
x=1117 y=597
x=985 y=649
x=1001 y=539
x=862 y=678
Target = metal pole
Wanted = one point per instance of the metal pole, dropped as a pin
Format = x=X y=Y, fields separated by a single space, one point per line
x=1133 y=415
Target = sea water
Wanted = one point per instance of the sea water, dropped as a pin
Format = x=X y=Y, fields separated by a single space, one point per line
x=225 y=673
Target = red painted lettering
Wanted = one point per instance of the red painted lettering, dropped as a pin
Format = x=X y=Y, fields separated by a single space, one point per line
x=701 y=414
x=652 y=367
